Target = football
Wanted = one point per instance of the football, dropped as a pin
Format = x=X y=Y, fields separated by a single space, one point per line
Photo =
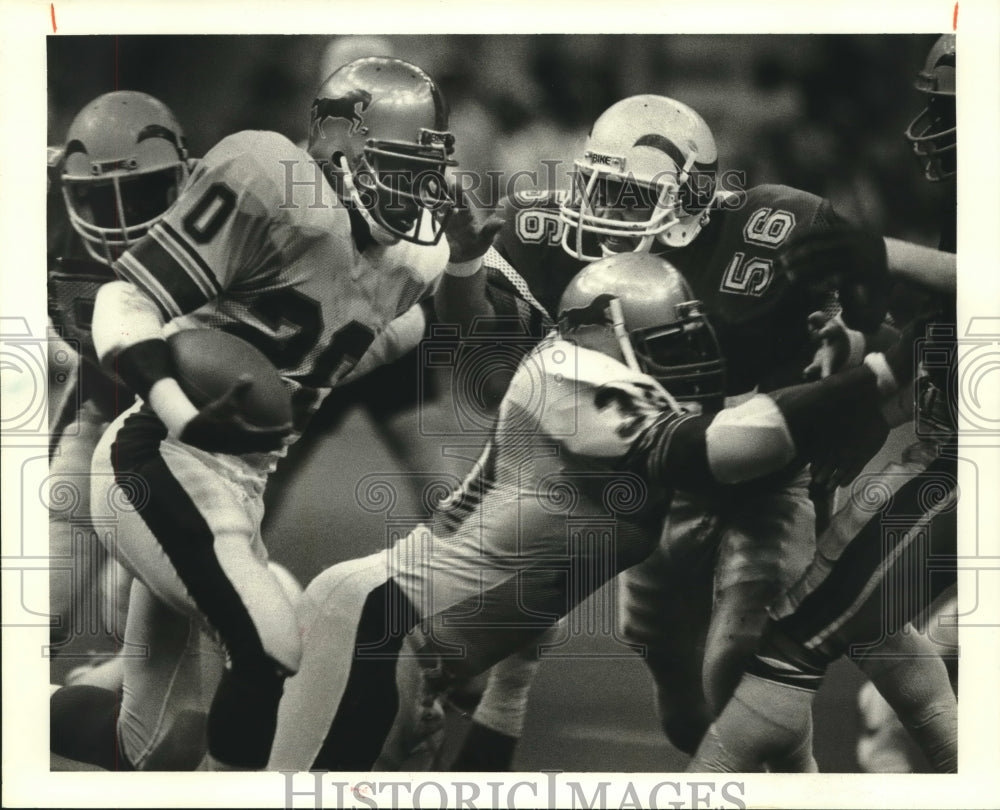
x=209 y=362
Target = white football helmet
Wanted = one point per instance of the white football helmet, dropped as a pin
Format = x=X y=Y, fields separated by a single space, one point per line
x=125 y=163
x=648 y=172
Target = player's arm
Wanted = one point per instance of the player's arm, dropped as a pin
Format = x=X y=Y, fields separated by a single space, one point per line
x=934 y=270
x=768 y=432
x=839 y=347
x=460 y=297
x=188 y=258
x=862 y=265
x=127 y=328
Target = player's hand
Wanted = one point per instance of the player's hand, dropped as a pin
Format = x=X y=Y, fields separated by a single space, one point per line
x=219 y=426
x=848 y=259
x=470 y=231
x=836 y=346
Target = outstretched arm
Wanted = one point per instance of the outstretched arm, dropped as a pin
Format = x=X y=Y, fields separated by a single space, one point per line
x=768 y=432
x=461 y=294
x=934 y=270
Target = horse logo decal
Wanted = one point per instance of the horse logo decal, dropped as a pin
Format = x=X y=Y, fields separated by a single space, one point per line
x=348 y=107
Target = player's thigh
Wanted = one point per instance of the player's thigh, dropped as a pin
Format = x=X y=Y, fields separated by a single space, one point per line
x=666 y=598
x=193 y=536
x=667 y=605
x=767 y=534
x=766 y=542
x=860 y=516
x=895 y=567
x=74 y=551
x=69 y=474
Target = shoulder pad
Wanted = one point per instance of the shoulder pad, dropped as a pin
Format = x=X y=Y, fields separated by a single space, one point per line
x=557 y=361
x=774 y=194
x=591 y=403
x=263 y=163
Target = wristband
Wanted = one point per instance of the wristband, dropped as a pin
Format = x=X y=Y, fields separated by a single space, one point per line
x=464 y=269
x=172 y=405
x=885 y=380
x=142 y=365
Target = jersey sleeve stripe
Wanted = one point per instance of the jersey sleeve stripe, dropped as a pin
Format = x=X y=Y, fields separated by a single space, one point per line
x=183 y=262
x=199 y=265
x=151 y=266
x=132 y=271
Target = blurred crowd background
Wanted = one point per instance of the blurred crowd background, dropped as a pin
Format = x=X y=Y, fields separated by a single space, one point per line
x=820 y=112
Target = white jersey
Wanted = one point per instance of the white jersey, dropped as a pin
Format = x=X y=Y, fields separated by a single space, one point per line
x=555 y=506
x=259 y=245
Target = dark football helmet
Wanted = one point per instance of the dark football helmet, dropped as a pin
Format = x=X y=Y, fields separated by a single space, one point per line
x=380 y=126
x=124 y=165
x=932 y=132
x=662 y=330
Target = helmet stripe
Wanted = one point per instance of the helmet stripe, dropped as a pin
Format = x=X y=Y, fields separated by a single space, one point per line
x=160 y=131
x=673 y=151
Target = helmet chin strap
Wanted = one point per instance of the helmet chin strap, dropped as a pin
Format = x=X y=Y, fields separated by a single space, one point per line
x=684 y=231
x=382 y=235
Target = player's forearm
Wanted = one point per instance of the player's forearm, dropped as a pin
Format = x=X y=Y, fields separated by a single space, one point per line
x=128 y=337
x=934 y=270
x=461 y=296
x=766 y=433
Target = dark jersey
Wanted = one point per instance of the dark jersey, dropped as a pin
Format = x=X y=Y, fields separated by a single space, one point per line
x=760 y=319
x=74 y=278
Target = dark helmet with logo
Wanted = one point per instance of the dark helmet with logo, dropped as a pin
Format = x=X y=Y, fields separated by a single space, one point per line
x=124 y=164
x=932 y=132
x=380 y=126
x=657 y=319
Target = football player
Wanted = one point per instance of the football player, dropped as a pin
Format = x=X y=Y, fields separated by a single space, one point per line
x=311 y=256
x=878 y=549
x=648 y=180
x=123 y=164
x=572 y=488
